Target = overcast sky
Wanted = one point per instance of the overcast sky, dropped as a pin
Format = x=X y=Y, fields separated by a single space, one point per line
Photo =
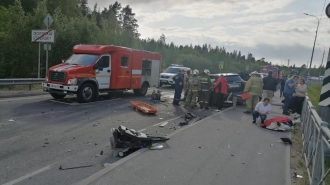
x=274 y=29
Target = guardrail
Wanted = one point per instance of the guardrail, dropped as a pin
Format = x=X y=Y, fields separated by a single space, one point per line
x=21 y=81
x=315 y=137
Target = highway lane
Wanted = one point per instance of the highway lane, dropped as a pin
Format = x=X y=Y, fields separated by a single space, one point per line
x=38 y=135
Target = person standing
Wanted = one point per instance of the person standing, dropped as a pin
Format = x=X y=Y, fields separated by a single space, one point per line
x=220 y=88
x=269 y=87
x=193 y=88
x=299 y=96
x=253 y=87
x=289 y=89
x=206 y=85
x=186 y=78
x=262 y=109
x=178 y=79
x=282 y=82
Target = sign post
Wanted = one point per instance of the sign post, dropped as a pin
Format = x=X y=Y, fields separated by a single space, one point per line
x=45 y=36
x=48 y=21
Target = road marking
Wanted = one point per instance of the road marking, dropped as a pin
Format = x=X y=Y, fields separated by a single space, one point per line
x=27 y=176
x=31 y=174
x=26 y=98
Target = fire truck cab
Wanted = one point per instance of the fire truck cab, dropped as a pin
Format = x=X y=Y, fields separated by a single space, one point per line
x=94 y=69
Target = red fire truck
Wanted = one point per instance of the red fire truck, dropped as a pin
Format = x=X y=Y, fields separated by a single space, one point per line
x=94 y=69
x=276 y=71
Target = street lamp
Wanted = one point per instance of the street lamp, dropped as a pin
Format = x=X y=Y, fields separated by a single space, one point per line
x=318 y=23
x=322 y=57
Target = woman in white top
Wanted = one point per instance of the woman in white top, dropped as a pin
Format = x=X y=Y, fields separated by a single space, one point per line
x=299 y=96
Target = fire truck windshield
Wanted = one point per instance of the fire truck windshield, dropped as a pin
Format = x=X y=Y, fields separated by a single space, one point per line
x=82 y=59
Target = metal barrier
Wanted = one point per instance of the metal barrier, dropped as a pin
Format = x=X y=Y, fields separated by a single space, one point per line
x=21 y=81
x=315 y=137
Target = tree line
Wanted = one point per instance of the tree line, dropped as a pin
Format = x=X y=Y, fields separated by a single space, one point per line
x=75 y=23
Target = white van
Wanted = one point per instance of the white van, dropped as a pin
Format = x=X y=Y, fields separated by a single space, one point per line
x=169 y=73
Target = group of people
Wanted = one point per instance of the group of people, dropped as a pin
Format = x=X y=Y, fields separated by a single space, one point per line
x=294 y=92
x=293 y=89
x=195 y=86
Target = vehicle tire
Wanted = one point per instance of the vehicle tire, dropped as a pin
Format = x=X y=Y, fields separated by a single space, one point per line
x=160 y=84
x=57 y=96
x=86 y=93
x=143 y=91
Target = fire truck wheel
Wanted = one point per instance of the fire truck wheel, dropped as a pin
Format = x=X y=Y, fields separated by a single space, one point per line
x=57 y=96
x=86 y=93
x=143 y=91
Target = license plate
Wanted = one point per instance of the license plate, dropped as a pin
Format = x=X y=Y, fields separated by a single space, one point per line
x=234 y=85
x=54 y=86
x=163 y=80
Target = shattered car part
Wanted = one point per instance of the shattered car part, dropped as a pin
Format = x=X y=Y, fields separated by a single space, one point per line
x=124 y=140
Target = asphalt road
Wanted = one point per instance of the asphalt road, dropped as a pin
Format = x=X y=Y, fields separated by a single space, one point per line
x=39 y=134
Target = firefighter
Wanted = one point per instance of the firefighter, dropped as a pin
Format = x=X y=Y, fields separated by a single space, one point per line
x=178 y=79
x=193 y=88
x=186 y=78
x=206 y=85
x=253 y=87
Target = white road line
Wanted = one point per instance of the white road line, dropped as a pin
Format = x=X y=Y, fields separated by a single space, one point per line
x=27 y=176
x=26 y=98
x=15 y=181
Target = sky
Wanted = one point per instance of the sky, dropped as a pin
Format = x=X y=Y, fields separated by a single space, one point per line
x=276 y=30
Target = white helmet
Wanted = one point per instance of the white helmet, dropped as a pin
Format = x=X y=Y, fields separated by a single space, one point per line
x=195 y=72
x=206 y=71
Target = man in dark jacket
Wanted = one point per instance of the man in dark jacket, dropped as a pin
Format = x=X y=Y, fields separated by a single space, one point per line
x=178 y=79
x=269 y=87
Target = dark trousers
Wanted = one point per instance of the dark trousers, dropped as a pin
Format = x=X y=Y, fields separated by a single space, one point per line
x=256 y=114
x=281 y=91
x=220 y=101
x=287 y=102
x=204 y=97
x=177 y=95
x=297 y=104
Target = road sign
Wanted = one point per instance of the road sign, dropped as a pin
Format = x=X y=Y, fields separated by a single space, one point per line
x=47 y=48
x=48 y=20
x=43 y=35
x=221 y=64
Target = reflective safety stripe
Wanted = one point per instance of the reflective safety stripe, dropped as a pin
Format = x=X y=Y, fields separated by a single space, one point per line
x=205 y=90
x=204 y=82
x=204 y=79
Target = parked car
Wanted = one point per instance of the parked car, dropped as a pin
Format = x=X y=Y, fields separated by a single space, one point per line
x=235 y=87
x=169 y=73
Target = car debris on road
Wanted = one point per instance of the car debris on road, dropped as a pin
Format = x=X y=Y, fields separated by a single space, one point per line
x=86 y=166
x=125 y=141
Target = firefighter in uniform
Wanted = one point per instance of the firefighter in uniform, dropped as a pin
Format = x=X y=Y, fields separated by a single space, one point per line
x=178 y=79
x=206 y=85
x=193 y=88
x=253 y=87
x=186 y=78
